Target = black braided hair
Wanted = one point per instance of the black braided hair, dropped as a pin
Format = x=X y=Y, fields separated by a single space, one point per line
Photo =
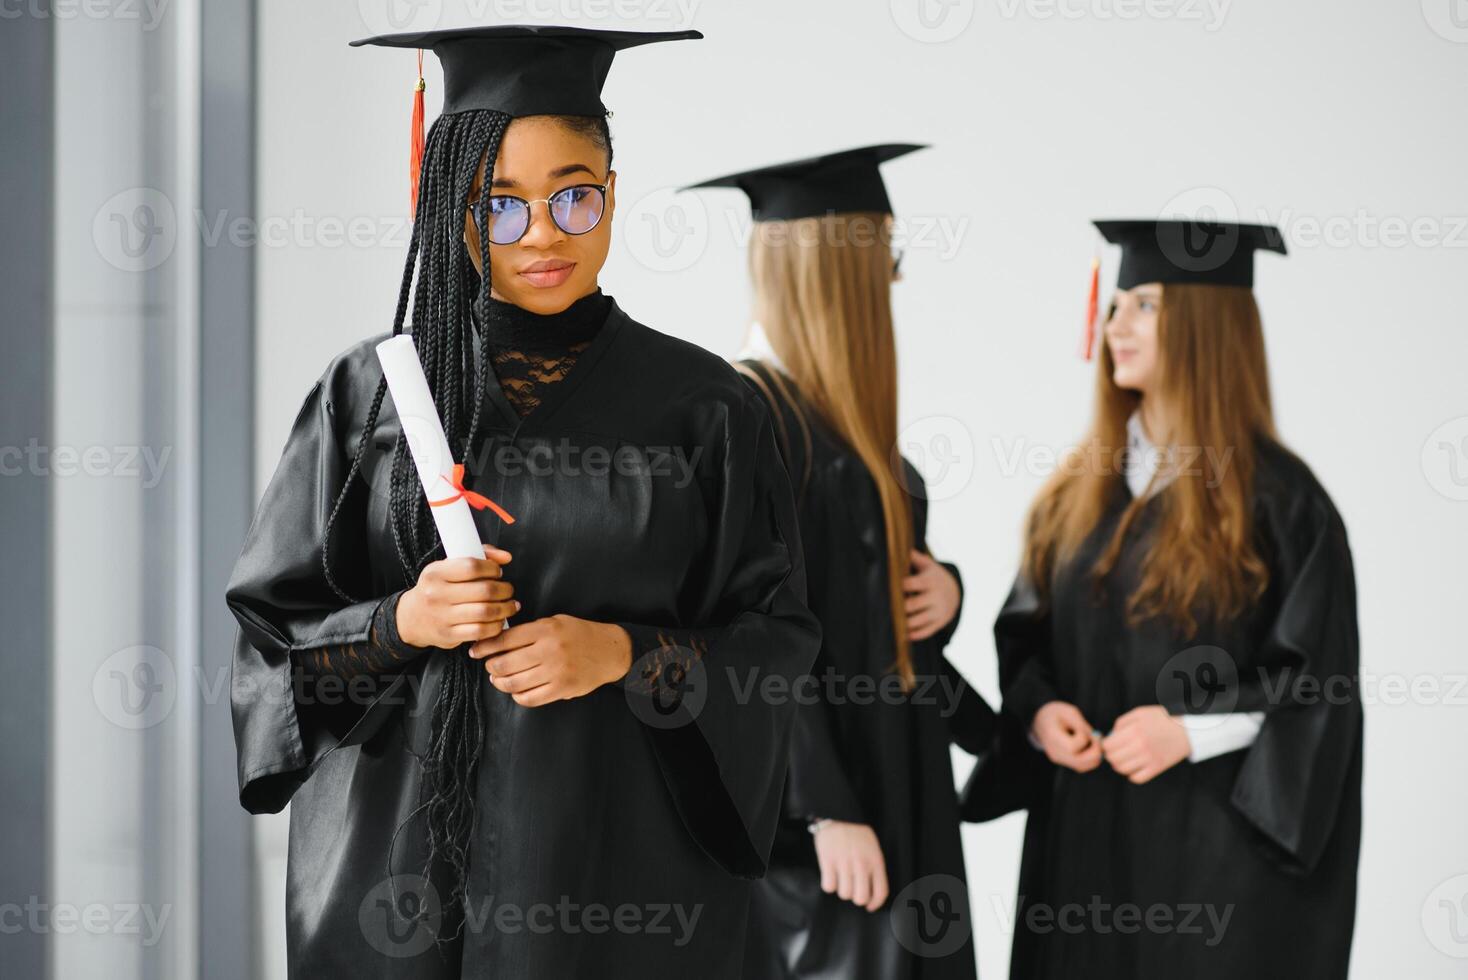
x=448 y=288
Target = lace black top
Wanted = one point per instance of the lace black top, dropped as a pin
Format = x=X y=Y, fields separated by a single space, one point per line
x=529 y=352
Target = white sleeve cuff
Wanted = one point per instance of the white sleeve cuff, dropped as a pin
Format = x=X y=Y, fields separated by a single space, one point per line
x=1214 y=735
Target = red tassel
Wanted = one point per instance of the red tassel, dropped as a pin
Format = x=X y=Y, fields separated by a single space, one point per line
x=1093 y=307
x=415 y=153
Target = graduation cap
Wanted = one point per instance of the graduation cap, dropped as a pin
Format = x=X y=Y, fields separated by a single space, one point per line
x=519 y=69
x=1207 y=252
x=831 y=184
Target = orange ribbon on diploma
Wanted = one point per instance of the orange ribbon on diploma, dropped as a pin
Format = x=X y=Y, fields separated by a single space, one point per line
x=453 y=516
x=476 y=500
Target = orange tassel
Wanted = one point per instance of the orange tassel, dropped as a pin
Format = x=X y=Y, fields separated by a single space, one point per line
x=1093 y=307
x=415 y=153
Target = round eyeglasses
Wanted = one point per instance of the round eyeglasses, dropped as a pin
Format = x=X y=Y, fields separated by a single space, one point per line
x=575 y=210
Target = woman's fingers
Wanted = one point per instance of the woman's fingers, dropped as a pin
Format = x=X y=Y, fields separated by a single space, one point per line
x=511 y=639
x=514 y=662
x=861 y=886
x=918 y=602
x=525 y=680
x=475 y=590
x=1076 y=740
x=879 y=887
x=536 y=696
x=465 y=569
x=1089 y=759
x=473 y=632
x=922 y=621
x=828 y=877
x=843 y=881
x=1144 y=775
x=483 y=612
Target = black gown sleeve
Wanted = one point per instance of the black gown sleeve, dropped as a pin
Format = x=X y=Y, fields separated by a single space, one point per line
x=1012 y=774
x=285 y=723
x=1022 y=642
x=818 y=785
x=384 y=650
x=1292 y=782
x=724 y=757
x=972 y=724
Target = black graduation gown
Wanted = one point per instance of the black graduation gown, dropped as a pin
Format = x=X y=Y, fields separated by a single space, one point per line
x=860 y=756
x=1246 y=861
x=614 y=836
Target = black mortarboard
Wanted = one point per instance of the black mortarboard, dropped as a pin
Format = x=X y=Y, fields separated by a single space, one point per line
x=834 y=183
x=525 y=69
x=1216 y=253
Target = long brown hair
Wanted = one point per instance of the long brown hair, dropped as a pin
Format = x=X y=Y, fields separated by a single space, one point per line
x=822 y=292
x=1213 y=380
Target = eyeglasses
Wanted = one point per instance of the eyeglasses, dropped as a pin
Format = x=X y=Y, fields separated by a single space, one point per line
x=897 y=263
x=575 y=210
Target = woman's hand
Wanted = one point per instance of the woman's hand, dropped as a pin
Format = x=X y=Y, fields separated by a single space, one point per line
x=1066 y=736
x=1145 y=743
x=932 y=597
x=457 y=600
x=555 y=658
x=852 y=866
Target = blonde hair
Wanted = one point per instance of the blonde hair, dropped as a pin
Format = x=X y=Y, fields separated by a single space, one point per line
x=822 y=293
x=1214 y=380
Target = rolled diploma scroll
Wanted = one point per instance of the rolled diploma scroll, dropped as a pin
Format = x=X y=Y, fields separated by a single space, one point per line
x=429 y=446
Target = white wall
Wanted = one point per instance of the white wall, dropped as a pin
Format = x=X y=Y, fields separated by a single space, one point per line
x=1042 y=115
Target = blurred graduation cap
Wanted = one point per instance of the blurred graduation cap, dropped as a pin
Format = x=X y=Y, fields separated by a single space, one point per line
x=835 y=183
x=1202 y=251
x=519 y=69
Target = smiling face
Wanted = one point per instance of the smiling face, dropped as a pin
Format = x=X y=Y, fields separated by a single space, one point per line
x=548 y=269
x=1131 y=337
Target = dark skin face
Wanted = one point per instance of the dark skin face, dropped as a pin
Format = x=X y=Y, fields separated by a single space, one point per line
x=548 y=269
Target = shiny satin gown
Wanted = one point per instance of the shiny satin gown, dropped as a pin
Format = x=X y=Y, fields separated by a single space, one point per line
x=616 y=833
x=879 y=760
x=1241 y=865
